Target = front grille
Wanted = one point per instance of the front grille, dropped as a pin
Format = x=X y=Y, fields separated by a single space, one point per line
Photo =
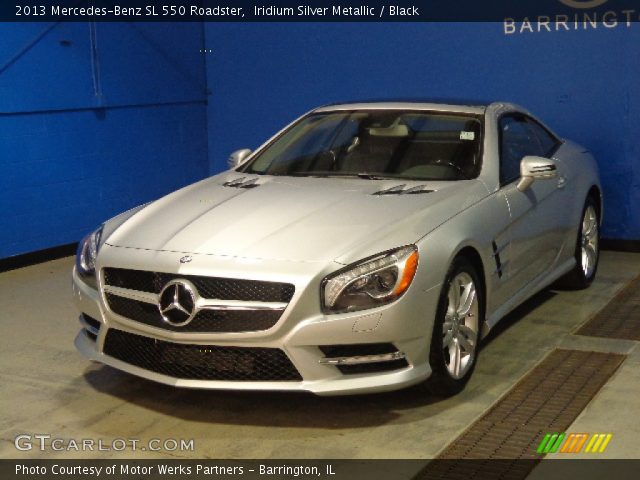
x=200 y=362
x=204 y=321
x=208 y=287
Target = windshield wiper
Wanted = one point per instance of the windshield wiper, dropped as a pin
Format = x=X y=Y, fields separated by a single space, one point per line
x=374 y=176
x=321 y=174
x=302 y=174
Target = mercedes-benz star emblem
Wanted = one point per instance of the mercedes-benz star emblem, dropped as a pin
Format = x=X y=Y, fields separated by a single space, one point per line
x=177 y=303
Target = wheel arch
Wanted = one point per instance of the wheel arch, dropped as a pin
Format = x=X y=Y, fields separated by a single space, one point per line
x=471 y=254
x=441 y=382
x=595 y=193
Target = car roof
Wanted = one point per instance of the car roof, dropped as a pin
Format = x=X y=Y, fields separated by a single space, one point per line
x=444 y=105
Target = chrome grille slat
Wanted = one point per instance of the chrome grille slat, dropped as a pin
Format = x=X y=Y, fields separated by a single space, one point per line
x=146 y=297
x=209 y=321
x=205 y=303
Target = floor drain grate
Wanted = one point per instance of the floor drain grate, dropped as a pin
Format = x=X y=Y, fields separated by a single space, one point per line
x=547 y=399
x=620 y=318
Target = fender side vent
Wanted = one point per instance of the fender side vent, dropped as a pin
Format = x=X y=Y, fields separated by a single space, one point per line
x=496 y=257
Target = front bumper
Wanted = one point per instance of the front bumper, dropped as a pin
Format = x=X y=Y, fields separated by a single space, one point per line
x=300 y=332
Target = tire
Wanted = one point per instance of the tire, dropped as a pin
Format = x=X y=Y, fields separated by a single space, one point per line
x=587 y=252
x=456 y=330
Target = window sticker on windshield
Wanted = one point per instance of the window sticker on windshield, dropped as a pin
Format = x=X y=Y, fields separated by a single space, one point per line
x=467 y=135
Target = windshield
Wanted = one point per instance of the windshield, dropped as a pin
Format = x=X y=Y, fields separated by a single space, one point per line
x=378 y=143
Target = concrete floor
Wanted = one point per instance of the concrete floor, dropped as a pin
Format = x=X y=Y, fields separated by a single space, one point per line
x=47 y=387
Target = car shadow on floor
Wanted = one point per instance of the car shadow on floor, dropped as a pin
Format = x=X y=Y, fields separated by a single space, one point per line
x=290 y=409
x=279 y=409
x=519 y=312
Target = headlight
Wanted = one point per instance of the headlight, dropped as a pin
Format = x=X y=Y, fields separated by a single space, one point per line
x=371 y=282
x=86 y=256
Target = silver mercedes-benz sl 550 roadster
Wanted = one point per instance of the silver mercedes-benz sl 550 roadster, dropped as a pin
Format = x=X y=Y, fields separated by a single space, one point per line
x=365 y=247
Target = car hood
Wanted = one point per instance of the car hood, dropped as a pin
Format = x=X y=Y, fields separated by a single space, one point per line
x=293 y=218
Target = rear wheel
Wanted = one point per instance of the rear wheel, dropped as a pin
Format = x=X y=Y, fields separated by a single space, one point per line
x=587 y=251
x=456 y=334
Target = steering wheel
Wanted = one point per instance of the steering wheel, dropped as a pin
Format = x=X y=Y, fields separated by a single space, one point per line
x=452 y=165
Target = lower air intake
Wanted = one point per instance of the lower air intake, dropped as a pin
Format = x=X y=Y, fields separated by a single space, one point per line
x=364 y=350
x=200 y=362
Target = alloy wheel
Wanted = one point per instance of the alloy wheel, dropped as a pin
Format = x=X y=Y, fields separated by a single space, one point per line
x=460 y=326
x=589 y=241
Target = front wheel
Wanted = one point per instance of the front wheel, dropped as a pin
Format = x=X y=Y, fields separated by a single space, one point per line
x=587 y=252
x=456 y=334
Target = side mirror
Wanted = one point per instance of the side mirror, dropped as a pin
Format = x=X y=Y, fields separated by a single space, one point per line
x=535 y=168
x=238 y=157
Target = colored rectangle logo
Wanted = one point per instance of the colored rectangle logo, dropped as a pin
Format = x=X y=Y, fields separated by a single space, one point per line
x=572 y=443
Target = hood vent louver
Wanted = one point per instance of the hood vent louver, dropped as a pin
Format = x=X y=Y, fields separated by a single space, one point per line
x=401 y=190
x=242 y=183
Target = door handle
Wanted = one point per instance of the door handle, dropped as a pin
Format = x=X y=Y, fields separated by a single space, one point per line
x=562 y=181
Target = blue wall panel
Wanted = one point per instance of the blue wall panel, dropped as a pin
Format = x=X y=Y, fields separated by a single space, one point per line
x=85 y=136
x=584 y=83
x=38 y=72
x=70 y=158
x=50 y=66
x=151 y=62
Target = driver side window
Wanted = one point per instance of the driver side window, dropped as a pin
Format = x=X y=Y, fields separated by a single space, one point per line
x=516 y=141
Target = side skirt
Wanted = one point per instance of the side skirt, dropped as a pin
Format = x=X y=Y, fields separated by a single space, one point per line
x=527 y=293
